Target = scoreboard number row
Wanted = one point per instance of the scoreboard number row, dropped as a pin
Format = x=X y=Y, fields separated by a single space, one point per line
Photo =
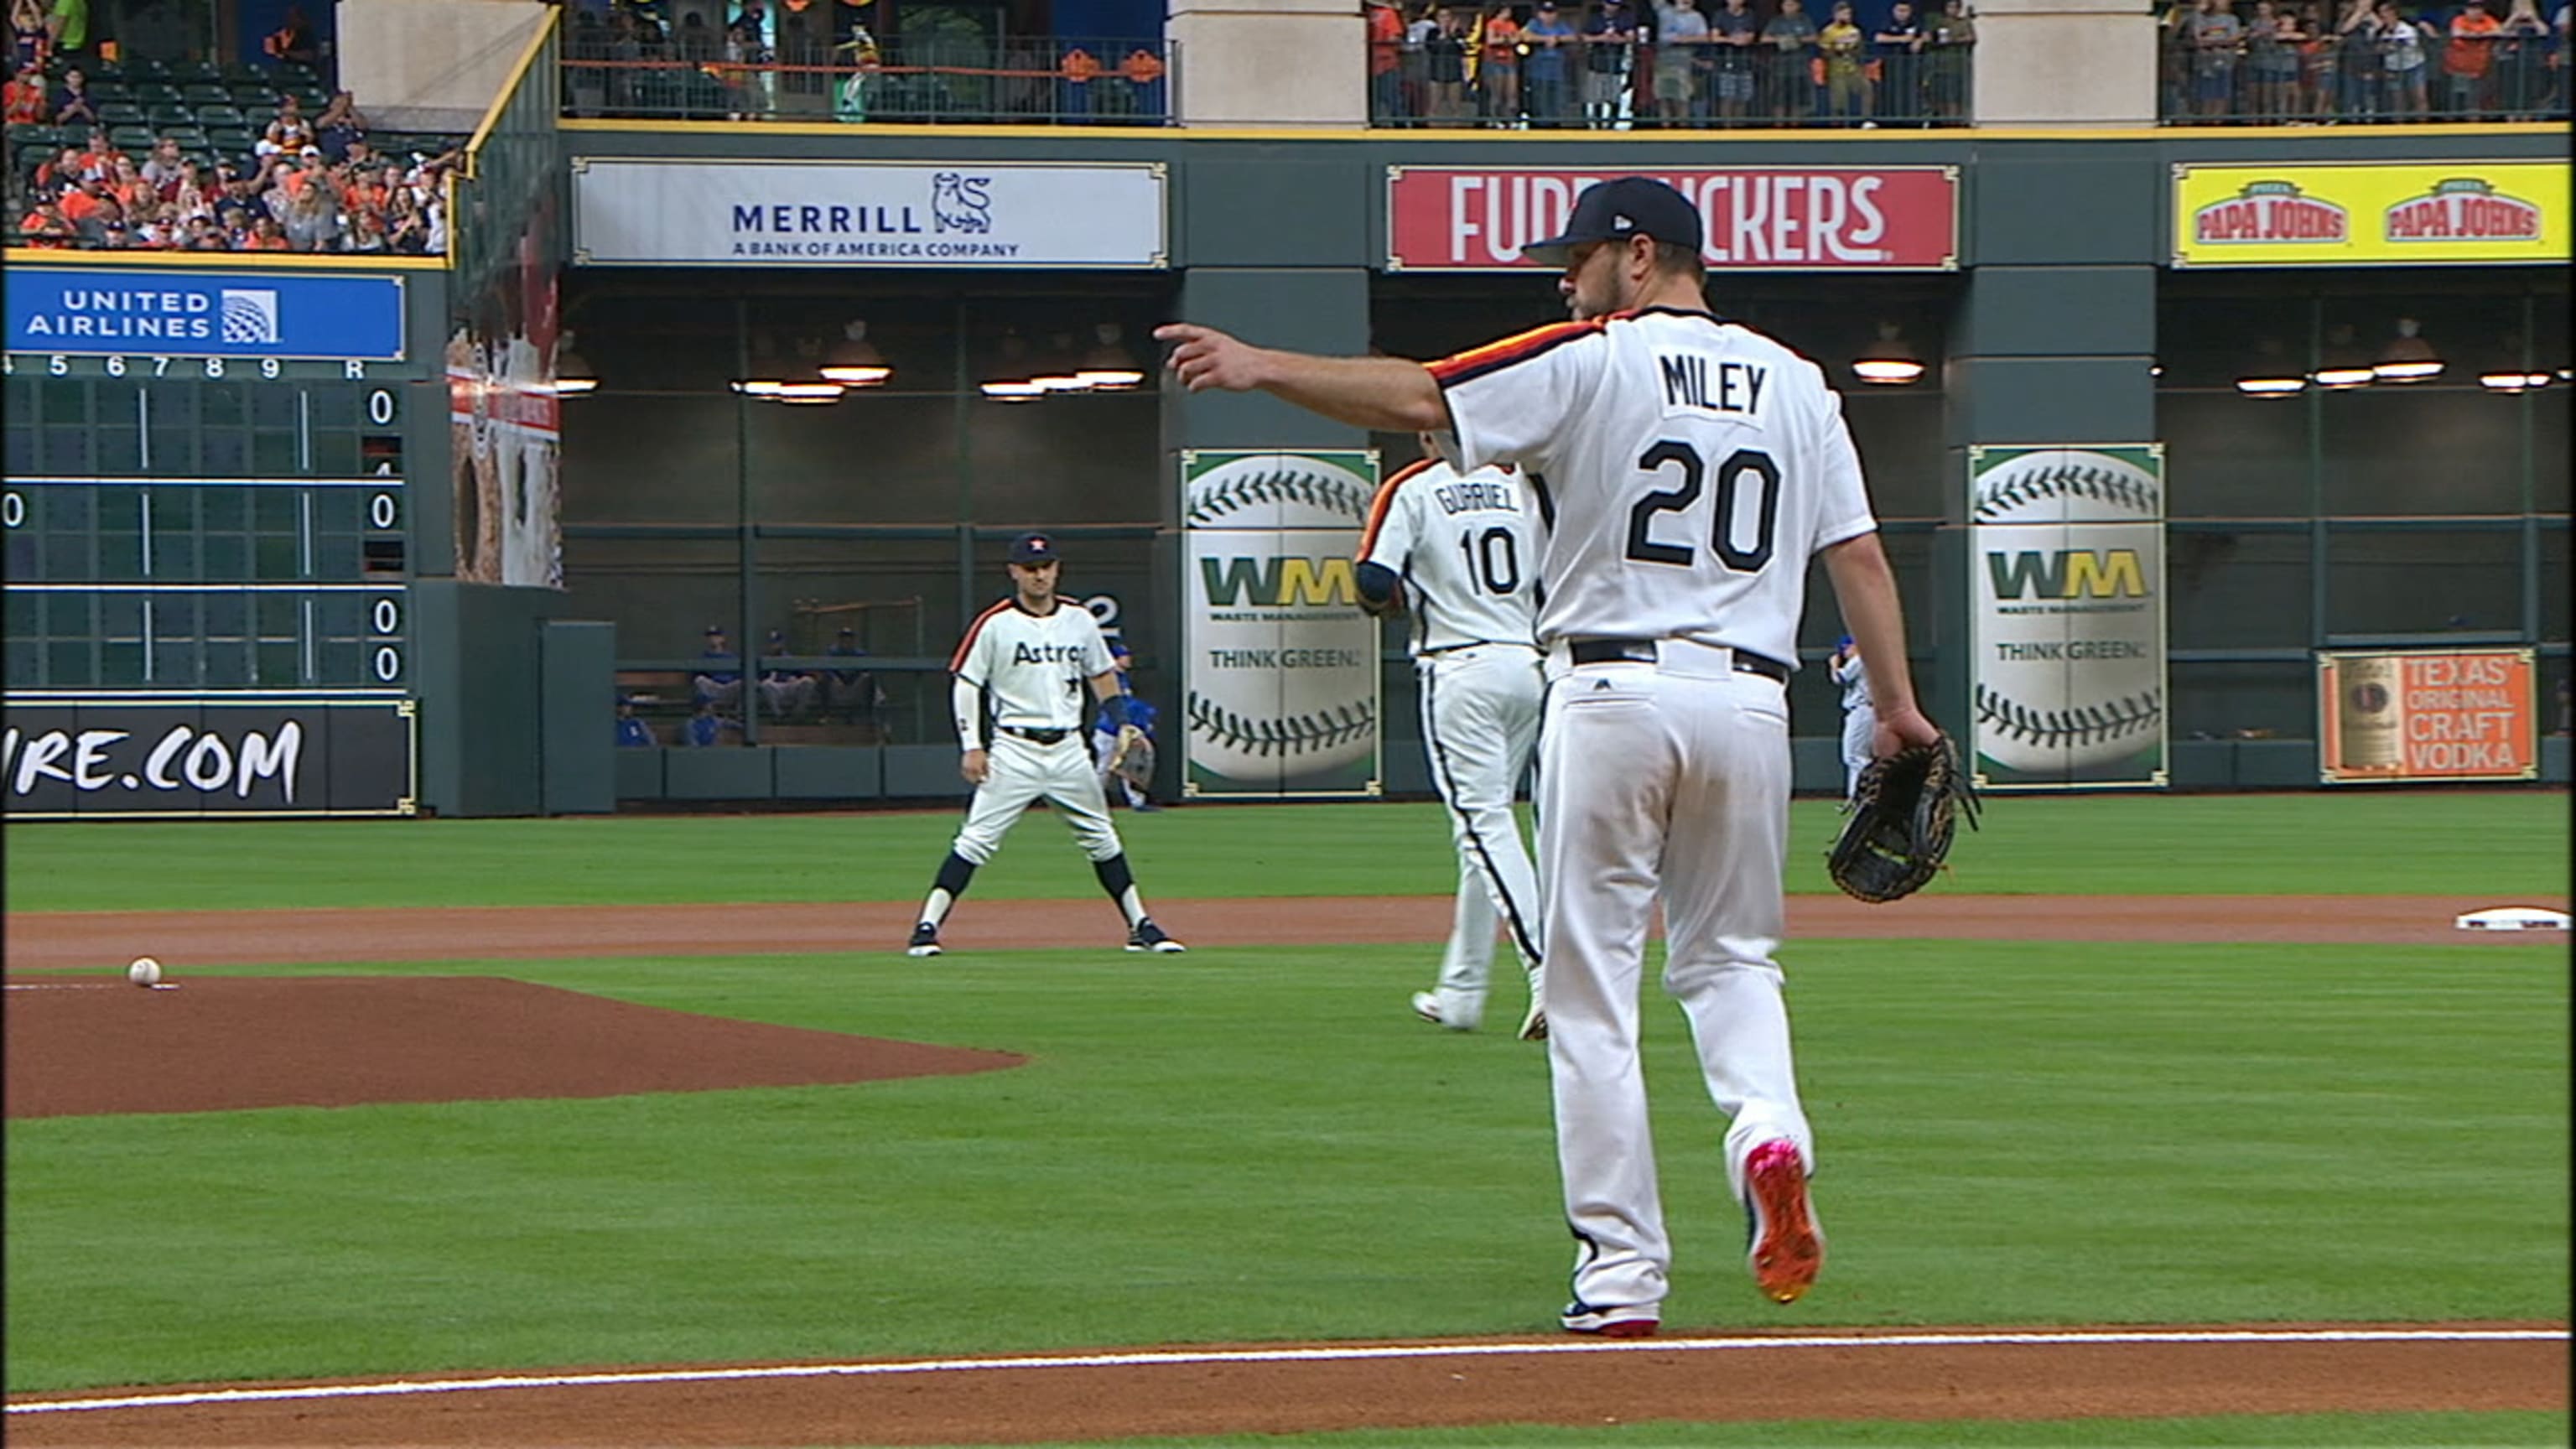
x=59 y=364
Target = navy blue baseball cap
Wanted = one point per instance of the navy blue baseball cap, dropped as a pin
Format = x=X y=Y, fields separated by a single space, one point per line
x=1033 y=548
x=1620 y=208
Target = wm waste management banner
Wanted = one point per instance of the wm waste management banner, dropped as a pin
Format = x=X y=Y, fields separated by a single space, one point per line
x=2066 y=550
x=2426 y=714
x=1282 y=674
x=867 y=214
x=2370 y=213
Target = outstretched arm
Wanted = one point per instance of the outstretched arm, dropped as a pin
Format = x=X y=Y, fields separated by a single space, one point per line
x=1388 y=394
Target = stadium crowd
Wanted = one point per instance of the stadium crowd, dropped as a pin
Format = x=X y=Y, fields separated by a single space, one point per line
x=2320 y=61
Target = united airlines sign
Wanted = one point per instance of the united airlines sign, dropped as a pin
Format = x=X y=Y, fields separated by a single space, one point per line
x=868 y=214
x=75 y=312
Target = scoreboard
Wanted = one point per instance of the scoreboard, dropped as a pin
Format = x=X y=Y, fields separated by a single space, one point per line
x=208 y=570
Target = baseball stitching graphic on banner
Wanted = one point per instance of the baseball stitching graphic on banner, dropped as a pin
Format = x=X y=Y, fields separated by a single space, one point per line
x=2066 y=557
x=1281 y=683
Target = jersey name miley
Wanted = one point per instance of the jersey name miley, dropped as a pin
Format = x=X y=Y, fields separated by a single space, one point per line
x=1033 y=669
x=1466 y=546
x=1693 y=467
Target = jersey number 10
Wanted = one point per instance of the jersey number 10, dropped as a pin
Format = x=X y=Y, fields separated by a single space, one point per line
x=1730 y=478
x=1493 y=559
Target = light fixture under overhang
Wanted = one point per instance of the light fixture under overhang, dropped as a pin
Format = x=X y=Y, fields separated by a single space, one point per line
x=573 y=374
x=1890 y=361
x=1014 y=391
x=2343 y=378
x=2409 y=358
x=854 y=361
x=1108 y=366
x=2513 y=381
x=2271 y=386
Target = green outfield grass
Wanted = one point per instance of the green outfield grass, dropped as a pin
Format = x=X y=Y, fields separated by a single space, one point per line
x=1263 y=1145
x=2499 y=843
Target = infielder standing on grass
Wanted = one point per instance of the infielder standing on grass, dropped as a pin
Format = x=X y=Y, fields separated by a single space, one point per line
x=1021 y=672
x=1860 y=722
x=1461 y=553
x=1694 y=466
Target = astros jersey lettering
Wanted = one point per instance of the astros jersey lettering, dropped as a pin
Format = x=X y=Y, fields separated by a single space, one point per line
x=1691 y=467
x=1032 y=668
x=1466 y=546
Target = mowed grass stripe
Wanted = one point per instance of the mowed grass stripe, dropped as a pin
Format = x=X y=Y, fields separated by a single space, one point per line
x=2496 y=844
x=1263 y=1146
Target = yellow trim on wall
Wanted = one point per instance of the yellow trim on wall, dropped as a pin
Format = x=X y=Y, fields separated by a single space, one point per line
x=501 y=99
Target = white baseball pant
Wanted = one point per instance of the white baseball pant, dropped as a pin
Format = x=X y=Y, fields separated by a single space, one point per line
x=1019 y=772
x=1660 y=782
x=1860 y=745
x=1480 y=707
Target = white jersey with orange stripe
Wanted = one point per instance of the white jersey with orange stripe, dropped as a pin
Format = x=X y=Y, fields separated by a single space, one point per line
x=1466 y=546
x=1690 y=468
x=1034 y=669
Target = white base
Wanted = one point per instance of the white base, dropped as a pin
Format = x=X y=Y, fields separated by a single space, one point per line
x=2513 y=918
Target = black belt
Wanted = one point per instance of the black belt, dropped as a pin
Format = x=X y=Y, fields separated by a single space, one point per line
x=1035 y=737
x=1642 y=651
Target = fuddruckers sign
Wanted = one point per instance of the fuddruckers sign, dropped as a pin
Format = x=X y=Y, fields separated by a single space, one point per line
x=1806 y=218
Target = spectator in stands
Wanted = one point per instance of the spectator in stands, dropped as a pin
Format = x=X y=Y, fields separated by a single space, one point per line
x=68 y=25
x=2357 y=60
x=1609 y=44
x=1681 y=48
x=88 y=192
x=406 y=229
x=1386 y=60
x=312 y=219
x=1498 y=70
x=1846 y=84
x=2469 y=60
x=46 y=226
x=1897 y=48
x=718 y=682
x=703 y=728
x=2317 y=61
x=1444 y=68
x=293 y=42
x=1415 y=55
x=27 y=28
x=1788 y=38
x=2522 y=61
x=1547 y=70
x=25 y=95
x=2214 y=36
x=103 y=211
x=72 y=104
x=340 y=127
x=267 y=234
x=290 y=132
x=165 y=165
x=1733 y=30
x=1953 y=39
x=367 y=233
x=2272 y=59
x=2401 y=63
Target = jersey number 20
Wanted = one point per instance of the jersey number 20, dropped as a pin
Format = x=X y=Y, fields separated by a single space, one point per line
x=1730 y=478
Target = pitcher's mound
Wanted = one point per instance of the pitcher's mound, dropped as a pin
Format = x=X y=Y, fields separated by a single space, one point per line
x=218 y=1043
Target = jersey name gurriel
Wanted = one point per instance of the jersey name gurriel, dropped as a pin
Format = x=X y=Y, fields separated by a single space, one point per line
x=1033 y=669
x=1466 y=547
x=1689 y=468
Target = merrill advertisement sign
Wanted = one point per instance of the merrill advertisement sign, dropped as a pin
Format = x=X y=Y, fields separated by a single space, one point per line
x=1282 y=676
x=867 y=214
x=1803 y=218
x=2426 y=714
x=2367 y=213
x=287 y=315
x=2066 y=553
x=140 y=755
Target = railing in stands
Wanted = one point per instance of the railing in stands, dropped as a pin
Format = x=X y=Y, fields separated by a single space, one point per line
x=1062 y=82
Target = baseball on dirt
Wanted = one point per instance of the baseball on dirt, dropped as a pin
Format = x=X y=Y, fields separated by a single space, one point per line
x=144 y=972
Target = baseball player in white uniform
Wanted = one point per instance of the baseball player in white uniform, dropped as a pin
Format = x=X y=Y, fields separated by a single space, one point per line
x=1860 y=722
x=1018 y=699
x=1693 y=467
x=1460 y=552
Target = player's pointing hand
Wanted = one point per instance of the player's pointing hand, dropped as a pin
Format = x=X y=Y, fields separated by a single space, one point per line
x=1204 y=358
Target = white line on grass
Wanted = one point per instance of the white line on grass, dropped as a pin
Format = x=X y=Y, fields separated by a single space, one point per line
x=1176 y=1357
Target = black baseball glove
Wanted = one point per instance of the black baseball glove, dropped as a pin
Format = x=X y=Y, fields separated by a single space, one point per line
x=1902 y=813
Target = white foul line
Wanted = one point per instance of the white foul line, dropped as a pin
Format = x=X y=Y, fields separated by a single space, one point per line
x=1176 y=1357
